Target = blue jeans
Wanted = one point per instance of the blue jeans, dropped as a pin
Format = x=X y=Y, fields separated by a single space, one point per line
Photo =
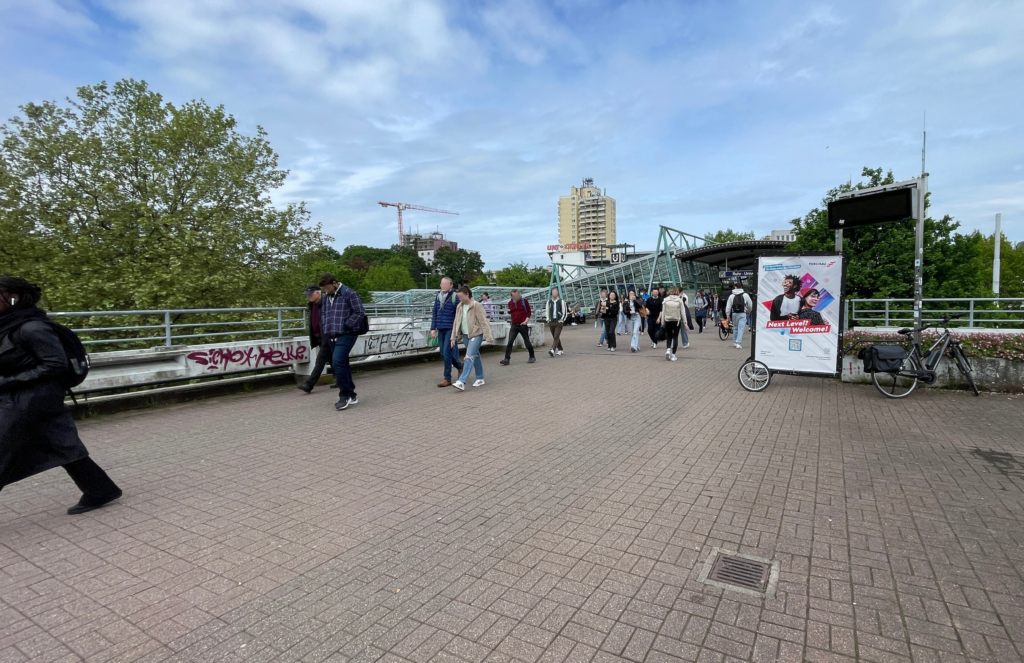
x=448 y=353
x=682 y=330
x=739 y=323
x=340 y=349
x=634 y=322
x=621 y=327
x=604 y=330
x=472 y=359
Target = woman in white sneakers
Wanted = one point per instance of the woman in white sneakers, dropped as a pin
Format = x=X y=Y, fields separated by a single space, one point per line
x=671 y=317
x=472 y=325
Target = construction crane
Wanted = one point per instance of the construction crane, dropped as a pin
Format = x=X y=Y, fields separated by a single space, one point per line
x=405 y=206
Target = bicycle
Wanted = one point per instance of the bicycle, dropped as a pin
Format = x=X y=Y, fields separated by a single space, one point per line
x=724 y=329
x=920 y=366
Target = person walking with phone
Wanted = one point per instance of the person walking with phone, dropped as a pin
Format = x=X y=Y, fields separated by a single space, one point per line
x=633 y=309
x=598 y=320
x=471 y=324
x=609 y=318
x=701 y=305
x=556 y=313
x=36 y=432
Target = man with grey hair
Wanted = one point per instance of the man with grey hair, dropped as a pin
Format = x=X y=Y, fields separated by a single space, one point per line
x=519 y=313
x=441 y=321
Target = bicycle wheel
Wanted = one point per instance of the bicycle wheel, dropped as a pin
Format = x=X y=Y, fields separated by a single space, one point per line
x=754 y=376
x=960 y=359
x=723 y=333
x=897 y=385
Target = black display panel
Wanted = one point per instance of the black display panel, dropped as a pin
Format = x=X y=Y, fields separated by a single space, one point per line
x=875 y=208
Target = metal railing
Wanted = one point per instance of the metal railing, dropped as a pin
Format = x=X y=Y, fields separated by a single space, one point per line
x=987 y=312
x=117 y=330
x=109 y=330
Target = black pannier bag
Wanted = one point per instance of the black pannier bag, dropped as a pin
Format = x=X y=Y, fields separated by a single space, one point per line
x=883 y=358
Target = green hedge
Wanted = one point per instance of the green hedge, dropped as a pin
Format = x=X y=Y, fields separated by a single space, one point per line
x=1002 y=346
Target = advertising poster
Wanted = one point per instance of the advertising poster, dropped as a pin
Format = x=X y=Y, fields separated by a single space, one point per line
x=798 y=308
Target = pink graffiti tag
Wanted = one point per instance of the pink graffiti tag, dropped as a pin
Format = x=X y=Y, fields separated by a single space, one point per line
x=254 y=357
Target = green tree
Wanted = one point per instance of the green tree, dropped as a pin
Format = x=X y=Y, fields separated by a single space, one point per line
x=121 y=200
x=362 y=258
x=460 y=266
x=519 y=274
x=728 y=235
x=391 y=276
x=881 y=256
x=292 y=276
x=480 y=280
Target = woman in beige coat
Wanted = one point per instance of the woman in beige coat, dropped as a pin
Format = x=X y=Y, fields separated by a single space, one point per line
x=472 y=325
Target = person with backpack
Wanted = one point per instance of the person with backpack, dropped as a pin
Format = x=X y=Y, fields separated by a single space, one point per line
x=672 y=311
x=441 y=320
x=738 y=307
x=342 y=320
x=39 y=362
x=519 y=312
x=557 y=313
x=472 y=325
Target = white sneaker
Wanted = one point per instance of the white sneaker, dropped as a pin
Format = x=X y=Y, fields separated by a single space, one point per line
x=685 y=345
x=611 y=349
x=460 y=385
x=668 y=352
x=654 y=345
x=478 y=383
x=672 y=358
x=559 y=353
x=738 y=346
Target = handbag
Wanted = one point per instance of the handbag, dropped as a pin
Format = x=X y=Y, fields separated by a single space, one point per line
x=660 y=335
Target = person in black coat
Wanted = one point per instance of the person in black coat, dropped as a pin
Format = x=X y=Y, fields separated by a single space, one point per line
x=36 y=432
x=609 y=316
x=316 y=339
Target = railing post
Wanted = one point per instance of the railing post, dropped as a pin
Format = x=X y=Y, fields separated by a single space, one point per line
x=847 y=316
x=167 y=328
x=280 y=327
x=970 y=318
x=887 y=313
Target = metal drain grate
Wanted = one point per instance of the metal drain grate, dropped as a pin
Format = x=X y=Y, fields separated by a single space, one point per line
x=740 y=572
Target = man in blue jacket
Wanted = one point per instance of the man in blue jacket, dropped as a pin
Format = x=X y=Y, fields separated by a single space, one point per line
x=341 y=316
x=441 y=322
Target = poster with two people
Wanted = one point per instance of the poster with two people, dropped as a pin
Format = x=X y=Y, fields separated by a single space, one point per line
x=798 y=313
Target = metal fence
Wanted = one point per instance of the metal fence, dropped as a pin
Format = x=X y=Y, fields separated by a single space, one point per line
x=112 y=330
x=984 y=312
x=117 y=330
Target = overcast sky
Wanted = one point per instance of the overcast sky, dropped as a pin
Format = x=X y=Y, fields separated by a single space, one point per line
x=695 y=115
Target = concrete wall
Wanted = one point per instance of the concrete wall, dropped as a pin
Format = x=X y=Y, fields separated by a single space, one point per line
x=152 y=366
x=990 y=374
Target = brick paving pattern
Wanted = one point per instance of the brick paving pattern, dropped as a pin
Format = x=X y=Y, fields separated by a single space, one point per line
x=560 y=513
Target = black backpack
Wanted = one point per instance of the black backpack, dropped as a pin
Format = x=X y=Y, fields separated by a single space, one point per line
x=78 y=358
x=739 y=305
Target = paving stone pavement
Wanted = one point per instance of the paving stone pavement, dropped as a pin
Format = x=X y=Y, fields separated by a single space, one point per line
x=562 y=512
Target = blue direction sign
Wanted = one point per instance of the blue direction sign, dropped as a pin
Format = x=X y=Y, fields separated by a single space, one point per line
x=736 y=274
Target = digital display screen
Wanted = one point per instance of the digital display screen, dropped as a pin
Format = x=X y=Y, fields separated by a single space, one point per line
x=875 y=208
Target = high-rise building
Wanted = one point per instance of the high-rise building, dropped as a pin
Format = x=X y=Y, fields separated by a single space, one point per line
x=587 y=215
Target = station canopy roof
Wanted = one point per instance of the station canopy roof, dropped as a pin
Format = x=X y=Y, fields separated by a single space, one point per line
x=737 y=255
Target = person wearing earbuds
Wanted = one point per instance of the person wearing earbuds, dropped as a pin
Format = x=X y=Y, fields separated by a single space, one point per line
x=36 y=432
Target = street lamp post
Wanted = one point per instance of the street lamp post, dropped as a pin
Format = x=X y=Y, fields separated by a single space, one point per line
x=426 y=285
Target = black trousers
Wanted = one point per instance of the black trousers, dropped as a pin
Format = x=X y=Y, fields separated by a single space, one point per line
x=518 y=330
x=96 y=486
x=323 y=355
x=652 y=328
x=609 y=330
x=701 y=321
x=671 y=335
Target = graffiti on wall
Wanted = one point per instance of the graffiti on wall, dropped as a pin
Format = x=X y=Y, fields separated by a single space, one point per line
x=387 y=343
x=249 y=358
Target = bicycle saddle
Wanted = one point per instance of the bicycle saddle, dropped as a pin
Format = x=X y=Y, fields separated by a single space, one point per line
x=905 y=330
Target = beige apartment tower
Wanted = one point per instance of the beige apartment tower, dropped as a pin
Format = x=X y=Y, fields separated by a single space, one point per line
x=587 y=215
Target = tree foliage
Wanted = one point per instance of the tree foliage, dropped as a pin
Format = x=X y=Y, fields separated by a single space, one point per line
x=728 y=235
x=460 y=266
x=120 y=200
x=392 y=275
x=881 y=256
x=519 y=274
x=362 y=258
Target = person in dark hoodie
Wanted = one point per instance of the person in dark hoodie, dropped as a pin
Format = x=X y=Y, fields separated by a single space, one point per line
x=36 y=432
x=654 y=303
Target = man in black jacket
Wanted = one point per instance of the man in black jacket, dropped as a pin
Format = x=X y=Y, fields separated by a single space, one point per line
x=653 y=311
x=36 y=432
x=316 y=339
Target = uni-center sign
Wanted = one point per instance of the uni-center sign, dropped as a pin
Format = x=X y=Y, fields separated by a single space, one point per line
x=569 y=247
